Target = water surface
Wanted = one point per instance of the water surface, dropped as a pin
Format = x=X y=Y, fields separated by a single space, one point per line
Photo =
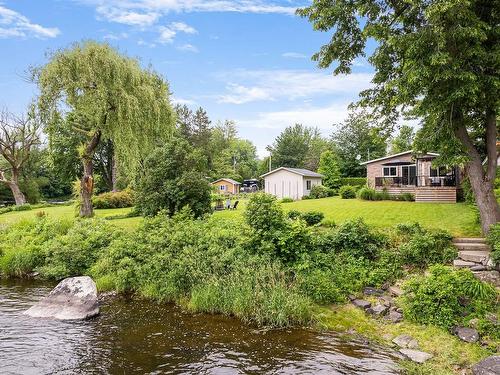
x=142 y=337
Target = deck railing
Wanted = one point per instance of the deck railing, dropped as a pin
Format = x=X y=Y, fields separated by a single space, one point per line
x=423 y=181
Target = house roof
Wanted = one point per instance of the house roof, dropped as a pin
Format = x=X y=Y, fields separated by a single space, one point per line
x=395 y=156
x=300 y=171
x=230 y=180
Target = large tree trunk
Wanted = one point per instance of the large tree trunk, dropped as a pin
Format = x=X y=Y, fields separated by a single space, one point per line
x=114 y=174
x=482 y=179
x=87 y=182
x=13 y=184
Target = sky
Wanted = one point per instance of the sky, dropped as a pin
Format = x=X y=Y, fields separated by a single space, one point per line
x=243 y=60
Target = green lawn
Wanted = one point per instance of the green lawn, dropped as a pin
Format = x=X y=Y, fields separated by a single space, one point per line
x=68 y=212
x=458 y=218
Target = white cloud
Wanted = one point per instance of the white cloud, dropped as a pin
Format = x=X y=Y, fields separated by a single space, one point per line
x=188 y=48
x=294 y=55
x=131 y=12
x=112 y=36
x=168 y=33
x=14 y=24
x=244 y=86
x=127 y=17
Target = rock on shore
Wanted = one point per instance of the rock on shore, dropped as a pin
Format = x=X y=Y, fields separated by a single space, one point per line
x=74 y=298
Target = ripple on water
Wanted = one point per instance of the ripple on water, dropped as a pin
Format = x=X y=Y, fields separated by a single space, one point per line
x=139 y=337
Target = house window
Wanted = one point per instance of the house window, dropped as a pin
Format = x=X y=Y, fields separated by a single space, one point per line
x=308 y=184
x=434 y=172
x=223 y=187
x=390 y=171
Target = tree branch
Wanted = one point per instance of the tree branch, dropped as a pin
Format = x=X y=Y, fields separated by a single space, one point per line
x=491 y=147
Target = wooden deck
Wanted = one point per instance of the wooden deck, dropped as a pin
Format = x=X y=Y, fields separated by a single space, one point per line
x=438 y=194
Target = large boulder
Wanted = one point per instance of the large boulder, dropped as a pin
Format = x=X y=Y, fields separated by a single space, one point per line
x=466 y=334
x=488 y=366
x=416 y=355
x=74 y=298
x=405 y=341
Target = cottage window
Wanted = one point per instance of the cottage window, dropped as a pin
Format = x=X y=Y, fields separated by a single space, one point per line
x=390 y=171
x=308 y=184
x=223 y=187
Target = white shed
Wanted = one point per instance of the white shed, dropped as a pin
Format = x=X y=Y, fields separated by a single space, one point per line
x=292 y=183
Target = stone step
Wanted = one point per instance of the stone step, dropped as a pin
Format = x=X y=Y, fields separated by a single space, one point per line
x=459 y=263
x=469 y=240
x=474 y=256
x=472 y=246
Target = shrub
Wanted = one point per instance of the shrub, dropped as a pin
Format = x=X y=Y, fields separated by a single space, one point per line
x=119 y=199
x=320 y=191
x=493 y=239
x=407 y=197
x=446 y=296
x=287 y=200
x=313 y=217
x=425 y=247
x=171 y=178
x=355 y=238
x=347 y=192
x=21 y=244
x=354 y=181
x=24 y=207
x=294 y=214
x=264 y=214
x=73 y=253
x=367 y=194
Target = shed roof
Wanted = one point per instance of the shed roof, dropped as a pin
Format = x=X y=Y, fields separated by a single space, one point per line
x=395 y=156
x=300 y=171
x=230 y=180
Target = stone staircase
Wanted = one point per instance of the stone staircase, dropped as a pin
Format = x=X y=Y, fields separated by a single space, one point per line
x=474 y=254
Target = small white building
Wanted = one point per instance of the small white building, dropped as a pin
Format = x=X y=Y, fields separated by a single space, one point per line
x=292 y=183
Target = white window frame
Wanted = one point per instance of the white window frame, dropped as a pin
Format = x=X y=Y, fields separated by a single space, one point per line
x=390 y=174
x=223 y=187
x=308 y=184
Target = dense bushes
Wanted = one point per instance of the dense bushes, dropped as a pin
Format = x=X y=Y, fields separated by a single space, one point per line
x=119 y=199
x=423 y=247
x=313 y=217
x=354 y=181
x=320 y=191
x=347 y=192
x=171 y=179
x=446 y=297
x=494 y=242
x=369 y=194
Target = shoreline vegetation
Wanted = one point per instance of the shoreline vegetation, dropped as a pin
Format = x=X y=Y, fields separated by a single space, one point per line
x=268 y=269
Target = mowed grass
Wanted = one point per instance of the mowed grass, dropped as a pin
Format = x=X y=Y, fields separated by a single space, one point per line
x=57 y=212
x=459 y=218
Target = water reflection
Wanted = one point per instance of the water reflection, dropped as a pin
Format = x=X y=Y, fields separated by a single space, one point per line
x=138 y=337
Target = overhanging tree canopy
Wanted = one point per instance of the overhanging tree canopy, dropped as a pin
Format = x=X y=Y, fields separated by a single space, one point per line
x=435 y=60
x=109 y=97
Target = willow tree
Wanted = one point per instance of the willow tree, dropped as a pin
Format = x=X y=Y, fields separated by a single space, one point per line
x=104 y=95
x=434 y=60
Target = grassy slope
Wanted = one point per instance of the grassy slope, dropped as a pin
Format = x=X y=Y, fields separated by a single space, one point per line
x=68 y=212
x=458 y=218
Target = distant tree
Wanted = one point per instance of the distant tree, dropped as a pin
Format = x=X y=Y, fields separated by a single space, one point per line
x=356 y=136
x=109 y=97
x=291 y=147
x=171 y=178
x=19 y=135
x=317 y=146
x=184 y=123
x=403 y=141
x=329 y=168
x=435 y=60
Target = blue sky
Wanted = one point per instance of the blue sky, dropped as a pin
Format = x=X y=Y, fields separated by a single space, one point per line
x=245 y=60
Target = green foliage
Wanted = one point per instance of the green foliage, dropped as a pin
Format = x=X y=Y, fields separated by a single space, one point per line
x=21 y=244
x=287 y=200
x=264 y=214
x=353 y=181
x=425 y=247
x=119 y=199
x=367 y=194
x=313 y=217
x=320 y=191
x=329 y=168
x=294 y=214
x=446 y=296
x=494 y=241
x=73 y=253
x=171 y=179
x=347 y=192
x=403 y=141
